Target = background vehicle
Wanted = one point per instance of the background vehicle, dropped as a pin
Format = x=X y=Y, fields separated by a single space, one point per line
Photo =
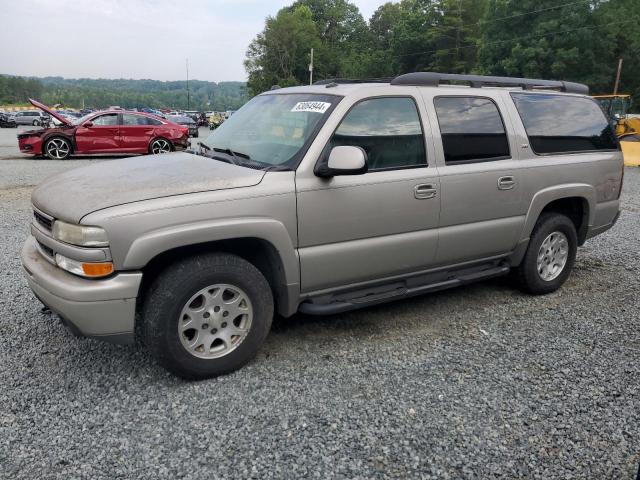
x=107 y=131
x=188 y=122
x=616 y=107
x=7 y=121
x=31 y=117
x=322 y=199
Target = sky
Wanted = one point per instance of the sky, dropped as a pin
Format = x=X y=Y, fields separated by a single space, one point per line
x=135 y=38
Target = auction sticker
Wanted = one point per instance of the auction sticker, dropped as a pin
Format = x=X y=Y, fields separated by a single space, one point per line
x=315 y=107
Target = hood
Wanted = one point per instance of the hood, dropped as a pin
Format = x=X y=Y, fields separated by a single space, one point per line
x=72 y=195
x=53 y=113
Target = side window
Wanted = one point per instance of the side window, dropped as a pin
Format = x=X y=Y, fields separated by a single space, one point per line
x=135 y=120
x=564 y=124
x=388 y=129
x=471 y=129
x=106 y=120
x=152 y=121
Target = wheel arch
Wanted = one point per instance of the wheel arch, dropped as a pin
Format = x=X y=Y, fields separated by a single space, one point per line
x=263 y=242
x=576 y=201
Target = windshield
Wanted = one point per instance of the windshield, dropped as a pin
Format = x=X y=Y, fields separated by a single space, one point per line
x=81 y=120
x=272 y=129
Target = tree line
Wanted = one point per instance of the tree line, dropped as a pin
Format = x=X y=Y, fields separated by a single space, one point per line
x=101 y=93
x=570 y=40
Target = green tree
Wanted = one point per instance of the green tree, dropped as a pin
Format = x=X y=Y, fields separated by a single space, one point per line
x=279 y=55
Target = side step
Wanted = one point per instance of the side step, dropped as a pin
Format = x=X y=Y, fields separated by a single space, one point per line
x=395 y=291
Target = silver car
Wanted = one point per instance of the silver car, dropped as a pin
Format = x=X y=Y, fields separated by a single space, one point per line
x=321 y=199
x=31 y=117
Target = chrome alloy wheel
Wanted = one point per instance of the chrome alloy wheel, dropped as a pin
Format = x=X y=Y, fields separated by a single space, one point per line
x=160 y=146
x=552 y=256
x=215 y=321
x=58 y=148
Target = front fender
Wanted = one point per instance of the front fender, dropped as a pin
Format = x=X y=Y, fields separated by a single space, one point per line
x=153 y=243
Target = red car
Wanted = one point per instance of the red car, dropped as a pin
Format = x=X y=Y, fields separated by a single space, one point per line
x=104 y=132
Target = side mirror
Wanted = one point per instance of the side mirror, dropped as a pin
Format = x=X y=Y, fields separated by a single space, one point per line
x=87 y=124
x=343 y=160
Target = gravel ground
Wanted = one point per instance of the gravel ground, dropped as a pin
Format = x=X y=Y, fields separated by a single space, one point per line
x=480 y=382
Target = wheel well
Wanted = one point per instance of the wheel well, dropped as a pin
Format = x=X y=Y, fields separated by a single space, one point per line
x=260 y=253
x=577 y=209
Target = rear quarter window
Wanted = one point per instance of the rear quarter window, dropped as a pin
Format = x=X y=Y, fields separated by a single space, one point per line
x=557 y=124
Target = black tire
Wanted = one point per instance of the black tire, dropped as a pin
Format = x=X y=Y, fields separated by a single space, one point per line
x=527 y=274
x=64 y=152
x=170 y=292
x=35 y=123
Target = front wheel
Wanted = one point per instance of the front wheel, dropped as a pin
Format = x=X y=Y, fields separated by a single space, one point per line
x=57 y=148
x=207 y=315
x=35 y=123
x=160 y=145
x=550 y=255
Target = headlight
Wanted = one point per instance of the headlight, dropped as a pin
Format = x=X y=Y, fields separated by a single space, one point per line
x=79 y=234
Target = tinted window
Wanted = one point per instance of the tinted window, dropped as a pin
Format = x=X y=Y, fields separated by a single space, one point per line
x=388 y=129
x=105 y=120
x=561 y=124
x=471 y=129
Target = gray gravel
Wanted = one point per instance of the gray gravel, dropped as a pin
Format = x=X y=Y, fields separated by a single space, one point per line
x=480 y=382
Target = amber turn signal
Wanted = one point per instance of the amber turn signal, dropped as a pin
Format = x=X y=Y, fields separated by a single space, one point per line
x=97 y=269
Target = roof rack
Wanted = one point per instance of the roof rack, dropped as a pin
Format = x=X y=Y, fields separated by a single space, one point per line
x=339 y=81
x=434 y=79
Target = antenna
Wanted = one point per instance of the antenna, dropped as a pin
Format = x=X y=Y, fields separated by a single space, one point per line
x=188 y=95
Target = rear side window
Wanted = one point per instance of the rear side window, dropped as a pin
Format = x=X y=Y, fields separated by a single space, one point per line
x=388 y=129
x=563 y=124
x=471 y=129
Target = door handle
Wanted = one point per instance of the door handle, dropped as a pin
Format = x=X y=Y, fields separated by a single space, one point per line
x=506 y=183
x=424 y=191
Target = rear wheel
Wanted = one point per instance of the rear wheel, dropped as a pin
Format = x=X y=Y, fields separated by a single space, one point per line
x=160 y=145
x=550 y=255
x=57 y=148
x=207 y=315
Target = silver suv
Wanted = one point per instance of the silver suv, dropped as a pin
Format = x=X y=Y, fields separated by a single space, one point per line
x=323 y=199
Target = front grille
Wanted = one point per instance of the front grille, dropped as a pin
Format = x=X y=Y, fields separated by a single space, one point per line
x=45 y=249
x=42 y=220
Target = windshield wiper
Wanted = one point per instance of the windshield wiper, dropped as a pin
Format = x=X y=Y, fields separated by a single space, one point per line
x=204 y=145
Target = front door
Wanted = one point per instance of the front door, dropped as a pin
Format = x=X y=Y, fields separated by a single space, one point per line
x=376 y=225
x=100 y=136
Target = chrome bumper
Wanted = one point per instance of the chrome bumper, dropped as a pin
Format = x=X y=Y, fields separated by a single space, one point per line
x=103 y=309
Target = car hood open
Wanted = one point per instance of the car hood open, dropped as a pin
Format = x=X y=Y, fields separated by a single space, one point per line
x=53 y=113
x=72 y=195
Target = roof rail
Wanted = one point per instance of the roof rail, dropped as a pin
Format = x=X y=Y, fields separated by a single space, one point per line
x=339 y=81
x=433 y=79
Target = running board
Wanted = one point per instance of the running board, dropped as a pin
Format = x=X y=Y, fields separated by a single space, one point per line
x=395 y=291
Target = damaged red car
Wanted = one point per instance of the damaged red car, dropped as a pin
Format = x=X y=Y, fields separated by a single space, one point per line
x=108 y=131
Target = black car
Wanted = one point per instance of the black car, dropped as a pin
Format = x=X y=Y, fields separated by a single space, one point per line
x=187 y=122
x=6 y=121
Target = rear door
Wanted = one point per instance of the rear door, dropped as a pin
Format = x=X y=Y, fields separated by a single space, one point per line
x=483 y=207
x=100 y=134
x=136 y=132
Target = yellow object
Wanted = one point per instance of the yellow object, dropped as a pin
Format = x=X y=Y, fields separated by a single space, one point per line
x=616 y=107
x=630 y=152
